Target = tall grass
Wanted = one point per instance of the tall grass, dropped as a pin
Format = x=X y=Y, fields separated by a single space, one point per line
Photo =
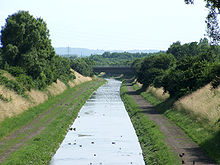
x=206 y=135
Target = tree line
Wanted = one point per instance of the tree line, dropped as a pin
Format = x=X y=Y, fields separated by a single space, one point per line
x=116 y=59
x=182 y=69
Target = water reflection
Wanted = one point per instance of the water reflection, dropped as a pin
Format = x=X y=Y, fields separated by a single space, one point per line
x=103 y=133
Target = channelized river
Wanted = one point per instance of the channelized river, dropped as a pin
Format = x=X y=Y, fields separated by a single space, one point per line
x=102 y=134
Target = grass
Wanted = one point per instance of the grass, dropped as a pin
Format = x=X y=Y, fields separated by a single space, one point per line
x=205 y=135
x=40 y=149
x=154 y=149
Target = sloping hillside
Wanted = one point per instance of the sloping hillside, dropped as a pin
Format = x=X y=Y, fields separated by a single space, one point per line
x=13 y=104
x=204 y=103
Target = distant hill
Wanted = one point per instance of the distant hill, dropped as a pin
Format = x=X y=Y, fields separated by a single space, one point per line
x=65 y=51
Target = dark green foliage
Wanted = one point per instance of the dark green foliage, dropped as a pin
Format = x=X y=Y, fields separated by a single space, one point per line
x=197 y=64
x=187 y=49
x=14 y=70
x=116 y=59
x=1 y=60
x=12 y=84
x=216 y=81
x=152 y=67
x=62 y=68
x=83 y=66
x=27 y=52
x=190 y=73
x=136 y=65
x=26 y=81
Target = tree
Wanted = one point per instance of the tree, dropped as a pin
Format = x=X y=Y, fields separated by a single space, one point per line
x=213 y=30
x=154 y=67
x=26 y=43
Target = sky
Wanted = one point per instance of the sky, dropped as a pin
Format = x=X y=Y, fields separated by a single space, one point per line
x=115 y=24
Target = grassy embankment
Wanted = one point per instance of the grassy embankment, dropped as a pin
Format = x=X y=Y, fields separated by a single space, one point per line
x=205 y=133
x=151 y=139
x=40 y=148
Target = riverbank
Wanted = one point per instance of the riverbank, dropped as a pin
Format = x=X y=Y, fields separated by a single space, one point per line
x=13 y=104
x=155 y=151
x=200 y=131
x=33 y=136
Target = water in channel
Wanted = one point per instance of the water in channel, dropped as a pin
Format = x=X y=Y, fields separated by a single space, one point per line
x=102 y=134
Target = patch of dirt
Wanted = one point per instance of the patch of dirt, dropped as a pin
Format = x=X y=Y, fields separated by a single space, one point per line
x=189 y=152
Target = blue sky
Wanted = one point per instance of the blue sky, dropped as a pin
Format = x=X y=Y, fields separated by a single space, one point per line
x=115 y=24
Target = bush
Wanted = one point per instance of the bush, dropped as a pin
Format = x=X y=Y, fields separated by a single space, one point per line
x=14 y=85
x=26 y=81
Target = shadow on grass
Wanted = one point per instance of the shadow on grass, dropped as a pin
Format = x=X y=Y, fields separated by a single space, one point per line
x=165 y=105
x=212 y=147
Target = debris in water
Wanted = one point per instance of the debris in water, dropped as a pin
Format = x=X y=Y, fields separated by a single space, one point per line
x=69 y=143
x=181 y=155
x=113 y=142
x=72 y=129
x=80 y=145
x=92 y=142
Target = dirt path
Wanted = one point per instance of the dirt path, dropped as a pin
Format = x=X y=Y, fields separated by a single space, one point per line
x=188 y=151
x=19 y=137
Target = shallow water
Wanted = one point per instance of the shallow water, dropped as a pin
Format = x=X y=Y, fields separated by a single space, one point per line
x=102 y=134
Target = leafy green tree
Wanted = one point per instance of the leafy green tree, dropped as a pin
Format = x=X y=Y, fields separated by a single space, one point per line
x=83 y=66
x=26 y=43
x=213 y=30
x=153 y=67
x=189 y=74
x=136 y=65
x=27 y=52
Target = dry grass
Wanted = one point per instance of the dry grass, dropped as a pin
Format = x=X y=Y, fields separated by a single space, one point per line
x=19 y=104
x=203 y=103
x=139 y=84
x=158 y=93
x=79 y=79
x=56 y=88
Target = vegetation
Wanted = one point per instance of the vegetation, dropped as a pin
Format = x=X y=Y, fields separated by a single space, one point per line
x=183 y=69
x=152 y=140
x=28 y=55
x=116 y=59
x=205 y=135
x=53 y=118
x=82 y=65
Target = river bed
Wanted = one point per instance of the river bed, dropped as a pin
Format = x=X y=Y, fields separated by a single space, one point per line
x=102 y=134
